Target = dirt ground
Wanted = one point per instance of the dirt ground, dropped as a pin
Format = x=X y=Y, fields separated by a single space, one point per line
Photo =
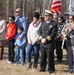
x=13 y=69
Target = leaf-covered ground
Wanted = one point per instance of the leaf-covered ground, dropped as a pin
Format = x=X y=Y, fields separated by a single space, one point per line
x=13 y=69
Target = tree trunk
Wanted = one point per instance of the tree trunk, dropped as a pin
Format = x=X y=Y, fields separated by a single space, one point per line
x=44 y=1
x=7 y=9
x=15 y=3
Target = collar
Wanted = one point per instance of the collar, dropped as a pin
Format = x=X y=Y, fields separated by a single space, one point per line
x=19 y=16
x=48 y=21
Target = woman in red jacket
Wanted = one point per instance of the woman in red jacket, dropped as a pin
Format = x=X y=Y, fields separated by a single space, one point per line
x=10 y=34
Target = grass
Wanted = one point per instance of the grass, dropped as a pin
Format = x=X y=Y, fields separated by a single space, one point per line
x=13 y=69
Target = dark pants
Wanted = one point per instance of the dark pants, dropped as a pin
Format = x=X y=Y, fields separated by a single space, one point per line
x=24 y=54
x=11 y=50
x=47 y=53
x=59 y=51
x=1 y=52
x=70 y=57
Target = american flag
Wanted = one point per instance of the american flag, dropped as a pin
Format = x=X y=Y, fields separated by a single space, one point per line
x=56 y=6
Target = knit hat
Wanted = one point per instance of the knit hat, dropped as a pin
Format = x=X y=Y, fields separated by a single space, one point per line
x=36 y=14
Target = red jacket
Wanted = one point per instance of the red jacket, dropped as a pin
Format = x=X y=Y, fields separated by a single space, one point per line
x=11 y=31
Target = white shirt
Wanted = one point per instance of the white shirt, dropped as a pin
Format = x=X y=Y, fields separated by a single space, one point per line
x=32 y=34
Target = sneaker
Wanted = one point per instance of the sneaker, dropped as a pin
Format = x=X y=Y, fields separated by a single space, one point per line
x=9 y=62
x=71 y=70
x=17 y=62
x=51 y=71
x=42 y=70
x=22 y=63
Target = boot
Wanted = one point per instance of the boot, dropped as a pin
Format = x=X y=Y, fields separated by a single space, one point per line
x=29 y=64
x=35 y=66
x=1 y=53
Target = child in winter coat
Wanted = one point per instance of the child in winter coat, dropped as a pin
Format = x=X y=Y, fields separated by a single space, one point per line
x=10 y=34
x=20 y=45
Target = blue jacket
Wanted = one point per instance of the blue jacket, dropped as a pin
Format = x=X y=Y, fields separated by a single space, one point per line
x=18 y=42
x=22 y=21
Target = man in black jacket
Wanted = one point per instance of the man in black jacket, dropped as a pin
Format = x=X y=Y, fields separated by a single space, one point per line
x=47 y=34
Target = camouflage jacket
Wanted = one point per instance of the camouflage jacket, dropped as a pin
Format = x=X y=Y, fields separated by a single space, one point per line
x=65 y=29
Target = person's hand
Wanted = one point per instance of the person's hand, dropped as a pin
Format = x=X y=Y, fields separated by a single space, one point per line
x=43 y=41
x=71 y=37
x=58 y=36
x=6 y=38
x=7 y=24
x=64 y=37
x=30 y=42
x=20 y=37
x=17 y=46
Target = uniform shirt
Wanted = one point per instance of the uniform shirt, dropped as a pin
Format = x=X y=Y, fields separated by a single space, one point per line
x=48 y=31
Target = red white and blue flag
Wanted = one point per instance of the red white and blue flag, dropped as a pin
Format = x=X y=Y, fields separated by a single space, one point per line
x=56 y=6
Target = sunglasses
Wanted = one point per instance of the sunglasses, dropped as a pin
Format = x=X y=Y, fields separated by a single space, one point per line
x=17 y=11
x=59 y=19
x=10 y=20
x=70 y=18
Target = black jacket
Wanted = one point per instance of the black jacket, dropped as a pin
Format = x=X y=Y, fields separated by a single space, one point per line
x=59 y=29
x=70 y=41
x=48 y=30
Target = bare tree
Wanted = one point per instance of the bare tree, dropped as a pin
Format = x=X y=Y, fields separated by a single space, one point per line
x=15 y=5
x=49 y=4
x=44 y=1
x=7 y=9
x=25 y=7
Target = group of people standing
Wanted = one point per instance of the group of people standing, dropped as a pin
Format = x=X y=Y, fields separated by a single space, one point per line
x=15 y=33
x=65 y=38
x=45 y=36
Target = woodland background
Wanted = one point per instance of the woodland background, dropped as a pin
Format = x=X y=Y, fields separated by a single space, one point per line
x=7 y=7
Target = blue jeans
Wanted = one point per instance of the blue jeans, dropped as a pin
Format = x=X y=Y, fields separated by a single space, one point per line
x=20 y=53
x=36 y=48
